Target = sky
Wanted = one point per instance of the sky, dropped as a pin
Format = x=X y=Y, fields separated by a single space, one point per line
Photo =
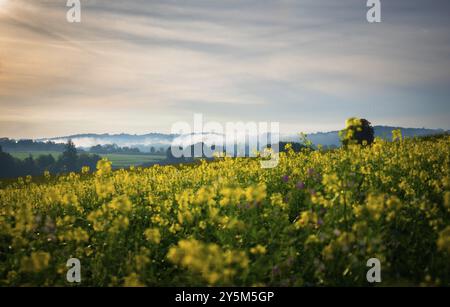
x=141 y=66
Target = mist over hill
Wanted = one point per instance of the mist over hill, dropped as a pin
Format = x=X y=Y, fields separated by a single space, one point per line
x=160 y=140
x=142 y=142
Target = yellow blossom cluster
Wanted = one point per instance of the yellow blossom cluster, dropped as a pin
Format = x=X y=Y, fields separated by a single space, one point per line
x=215 y=265
x=315 y=219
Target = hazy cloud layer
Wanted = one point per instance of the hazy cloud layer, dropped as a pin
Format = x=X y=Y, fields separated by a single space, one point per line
x=139 y=66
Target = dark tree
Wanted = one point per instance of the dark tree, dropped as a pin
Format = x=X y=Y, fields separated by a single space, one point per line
x=28 y=167
x=7 y=165
x=69 y=161
x=357 y=131
x=69 y=157
x=45 y=162
x=89 y=160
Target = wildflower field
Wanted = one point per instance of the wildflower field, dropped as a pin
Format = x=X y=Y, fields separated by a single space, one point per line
x=314 y=220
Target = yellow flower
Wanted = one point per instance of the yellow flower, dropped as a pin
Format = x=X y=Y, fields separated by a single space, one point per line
x=121 y=204
x=312 y=239
x=104 y=167
x=307 y=218
x=397 y=135
x=443 y=241
x=353 y=122
x=256 y=193
x=142 y=259
x=133 y=281
x=215 y=265
x=37 y=262
x=119 y=223
x=104 y=188
x=375 y=206
x=70 y=199
x=221 y=216
x=202 y=225
x=80 y=235
x=327 y=252
x=258 y=249
x=153 y=235
x=447 y=200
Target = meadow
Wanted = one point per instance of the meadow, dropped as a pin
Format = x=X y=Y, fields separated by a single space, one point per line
x=22 y=155
x=314 y=220
x=127 y=160
x=117 y=160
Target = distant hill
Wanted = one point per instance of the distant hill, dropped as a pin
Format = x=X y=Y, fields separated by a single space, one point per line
x=142 y=142
x=162 y=141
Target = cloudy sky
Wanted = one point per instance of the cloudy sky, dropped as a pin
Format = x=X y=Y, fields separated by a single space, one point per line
x=139 y=66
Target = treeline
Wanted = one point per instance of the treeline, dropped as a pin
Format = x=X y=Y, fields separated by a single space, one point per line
x=69 y=161
x=113 y=148
x=9 y=145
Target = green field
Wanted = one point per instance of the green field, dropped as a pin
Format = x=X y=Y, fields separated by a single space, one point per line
x=123 y=160
x=118 y=160
x=25 y=154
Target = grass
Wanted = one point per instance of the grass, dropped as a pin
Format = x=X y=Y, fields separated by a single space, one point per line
x=124 y=160
x=25 y=154
x=118 y=160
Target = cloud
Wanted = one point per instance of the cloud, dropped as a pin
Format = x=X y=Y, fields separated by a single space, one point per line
x=137 y=66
